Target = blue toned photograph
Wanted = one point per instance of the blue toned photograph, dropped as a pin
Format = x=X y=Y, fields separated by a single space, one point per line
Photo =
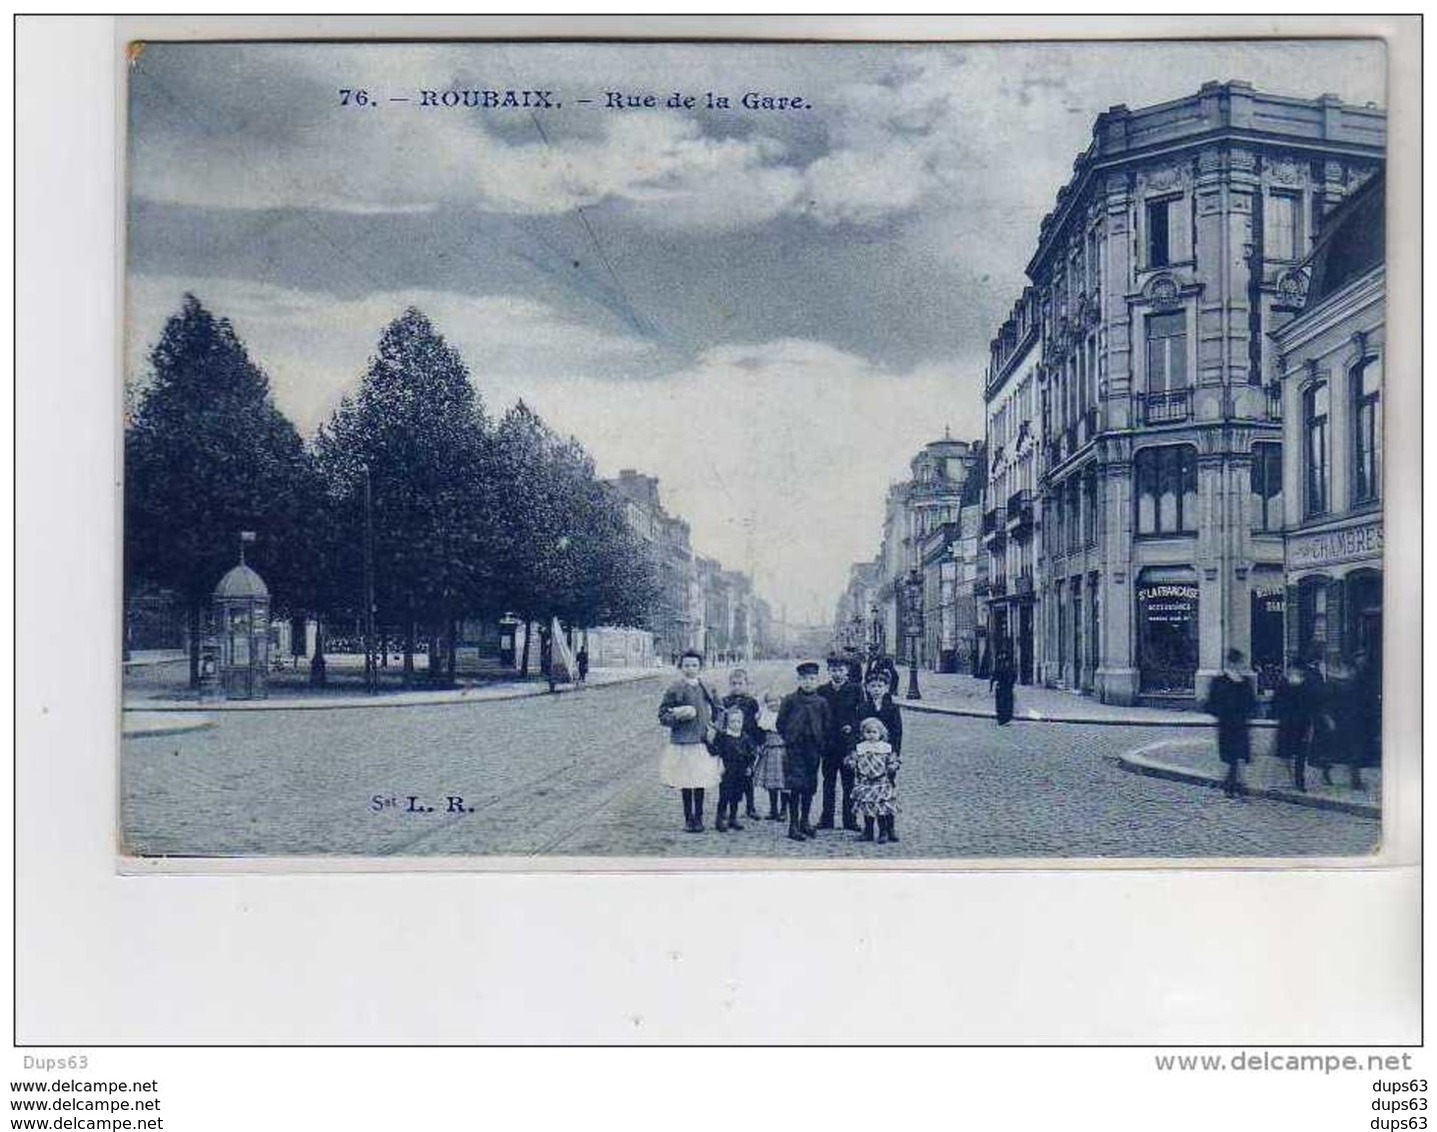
x=819 y=454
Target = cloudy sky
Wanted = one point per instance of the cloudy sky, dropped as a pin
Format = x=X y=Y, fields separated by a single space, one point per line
x=769 y=310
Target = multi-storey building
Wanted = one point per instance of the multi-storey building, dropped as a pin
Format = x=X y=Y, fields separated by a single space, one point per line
x=1329 y=368
x=1169 y=256
x=856 y=618
x=1011 y=394
x=920 y=529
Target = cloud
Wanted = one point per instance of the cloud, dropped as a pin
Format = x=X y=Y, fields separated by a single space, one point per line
x=315 y=347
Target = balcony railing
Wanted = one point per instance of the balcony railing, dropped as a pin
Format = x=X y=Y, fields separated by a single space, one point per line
x=990 y=521
x=1023 y=585
x=1168 y=406
x=1020 y=510
x=999 y=587
x=1274 y=402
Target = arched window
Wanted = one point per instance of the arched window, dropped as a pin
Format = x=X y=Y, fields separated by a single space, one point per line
x=1366 y=378
x=1315 y=449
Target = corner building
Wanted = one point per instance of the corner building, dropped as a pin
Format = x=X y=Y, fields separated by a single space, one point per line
x=1169 y=258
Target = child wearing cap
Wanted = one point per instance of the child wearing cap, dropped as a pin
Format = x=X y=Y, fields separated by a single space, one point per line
x=804 y=723
x=875 y=772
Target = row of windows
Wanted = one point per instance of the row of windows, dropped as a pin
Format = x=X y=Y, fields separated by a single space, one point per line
x=1278 y=228
x=1166 y=497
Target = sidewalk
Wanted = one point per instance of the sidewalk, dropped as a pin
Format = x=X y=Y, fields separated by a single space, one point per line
x=954 y=694
x=139 y=704
x=1195 y=760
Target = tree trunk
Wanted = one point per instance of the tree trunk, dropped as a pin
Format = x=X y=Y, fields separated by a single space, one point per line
x=528 y=635
x=452 y=668
x=408 y=651
x=194 y=644
x=318 y=674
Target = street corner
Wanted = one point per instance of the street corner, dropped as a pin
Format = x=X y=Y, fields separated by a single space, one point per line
x=1195 y=761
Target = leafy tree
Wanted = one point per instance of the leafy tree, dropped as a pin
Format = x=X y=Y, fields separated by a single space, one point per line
x=564 y=546
x=207 y=455
x=417 y=426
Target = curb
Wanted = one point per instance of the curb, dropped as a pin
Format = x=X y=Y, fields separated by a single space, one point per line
x=422 y=699
x=1094 y=721
x=141 y=729
x=1135 y=764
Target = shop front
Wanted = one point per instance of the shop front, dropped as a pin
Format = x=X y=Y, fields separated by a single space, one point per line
x=1335 y=576
x=1167 y=630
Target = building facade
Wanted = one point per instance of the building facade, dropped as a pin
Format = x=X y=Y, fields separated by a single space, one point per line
x=1011 y=398
x=1169 y=257
x=1329 y=369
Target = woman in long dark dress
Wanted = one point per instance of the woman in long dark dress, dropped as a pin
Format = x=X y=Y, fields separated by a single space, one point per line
x=1005 y=676
x=1295 y=704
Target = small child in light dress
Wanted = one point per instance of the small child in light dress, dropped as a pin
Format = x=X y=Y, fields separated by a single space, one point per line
x=768 y=771
x=875 y=769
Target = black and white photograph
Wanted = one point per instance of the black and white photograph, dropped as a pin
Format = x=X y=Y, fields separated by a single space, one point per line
x=836 y=453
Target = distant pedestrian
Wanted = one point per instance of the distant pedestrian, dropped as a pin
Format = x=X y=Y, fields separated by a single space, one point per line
x=739 y=697
x=1230 y=698
x=804 y=723
x=875 y=780
x=581 y=661
x=768 y=771
x=1295 y=705
x=1367 y=705
x=736 y=752
x=1001 y=683
x=688 y=710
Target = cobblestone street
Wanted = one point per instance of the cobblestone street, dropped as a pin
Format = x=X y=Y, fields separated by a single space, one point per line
x=576 y=775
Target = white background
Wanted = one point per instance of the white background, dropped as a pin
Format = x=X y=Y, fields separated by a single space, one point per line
x=1256 y=956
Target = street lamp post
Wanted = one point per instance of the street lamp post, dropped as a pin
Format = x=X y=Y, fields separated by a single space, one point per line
x=913 y=628
x=371 y=675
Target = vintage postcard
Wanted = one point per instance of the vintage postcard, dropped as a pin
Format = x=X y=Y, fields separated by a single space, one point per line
x=672 y=452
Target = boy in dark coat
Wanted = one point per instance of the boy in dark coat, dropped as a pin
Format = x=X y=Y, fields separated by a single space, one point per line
x=804 y=723
x=1230 y=698
x=843 y=698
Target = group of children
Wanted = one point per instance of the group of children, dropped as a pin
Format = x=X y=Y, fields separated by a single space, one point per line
x=779 y=746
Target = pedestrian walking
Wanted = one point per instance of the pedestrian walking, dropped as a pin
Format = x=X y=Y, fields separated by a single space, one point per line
x=875 y=780
x=581 y=662
x=1001 y=683
x=739 y=697
x=1349 y=721
x=736 y=752
x=768 y=771
x=1295 y=706
x=804 y=722
x=688 y=710
x=843 y=699
x=1230 y=698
